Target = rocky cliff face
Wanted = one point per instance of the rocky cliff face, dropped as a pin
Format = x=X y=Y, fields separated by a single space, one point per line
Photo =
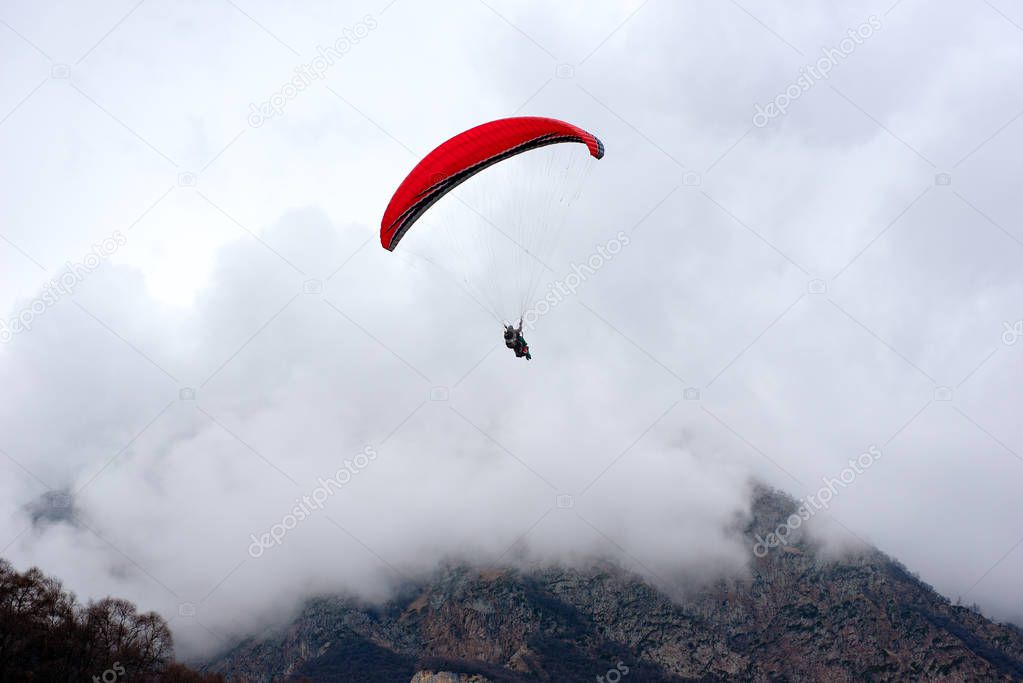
x=447 y=677
x=800 y=617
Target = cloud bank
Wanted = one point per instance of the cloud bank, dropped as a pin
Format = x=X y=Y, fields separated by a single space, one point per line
x=793 y=294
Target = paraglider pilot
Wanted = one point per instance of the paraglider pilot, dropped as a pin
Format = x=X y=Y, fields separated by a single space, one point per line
x=514 y=340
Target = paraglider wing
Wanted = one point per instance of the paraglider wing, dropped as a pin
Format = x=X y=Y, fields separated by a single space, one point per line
x=465 y=155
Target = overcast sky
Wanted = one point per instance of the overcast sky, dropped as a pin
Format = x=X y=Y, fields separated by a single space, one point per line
x=835 y=277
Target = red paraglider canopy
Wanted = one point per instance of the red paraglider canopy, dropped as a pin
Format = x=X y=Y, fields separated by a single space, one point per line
x=467 y=154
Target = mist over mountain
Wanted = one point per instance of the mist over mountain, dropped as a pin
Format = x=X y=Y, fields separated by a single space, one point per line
x=801 y=611
x=800 y=614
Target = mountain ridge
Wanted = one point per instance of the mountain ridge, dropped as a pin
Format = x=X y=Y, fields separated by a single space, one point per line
x=802 y=614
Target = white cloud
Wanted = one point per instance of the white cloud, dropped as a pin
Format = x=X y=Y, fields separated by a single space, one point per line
x=712 y=293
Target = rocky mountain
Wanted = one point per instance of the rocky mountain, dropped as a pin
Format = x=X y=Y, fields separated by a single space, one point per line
x=803 y=614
